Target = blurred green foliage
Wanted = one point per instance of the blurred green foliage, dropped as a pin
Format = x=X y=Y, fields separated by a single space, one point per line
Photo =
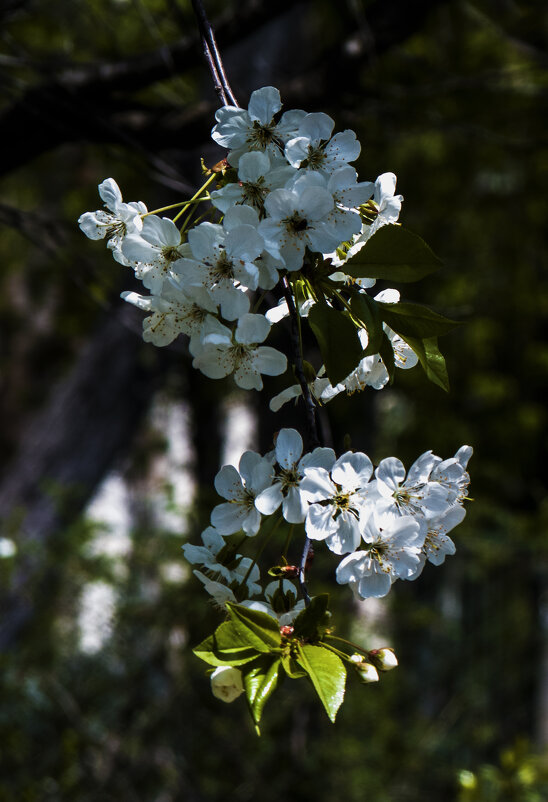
x=457 y=110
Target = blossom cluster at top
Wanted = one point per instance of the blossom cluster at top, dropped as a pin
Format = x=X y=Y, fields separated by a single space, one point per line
x=287 y=194
x=384 y=522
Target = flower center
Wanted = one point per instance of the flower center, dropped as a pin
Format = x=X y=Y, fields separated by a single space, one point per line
x=170 y=253
x=261 y=135
x=254 y=193
x=295 y=224
x=223 y=268
x=315 y=158
x=289 y=477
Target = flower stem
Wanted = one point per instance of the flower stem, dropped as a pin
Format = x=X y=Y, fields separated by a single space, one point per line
x=164 y=208
x=196 y=197
x=335 y=651
x=348 y=643
x=297 y=359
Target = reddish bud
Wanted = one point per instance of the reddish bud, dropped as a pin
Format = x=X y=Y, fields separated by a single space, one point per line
x=286 y=631
x=220 y=166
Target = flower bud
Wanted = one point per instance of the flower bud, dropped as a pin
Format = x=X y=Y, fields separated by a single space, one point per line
x=384 y=659
x=356 y=658
x=287 y=631
x=284 y=571
x=226 y=683
x=367 y=672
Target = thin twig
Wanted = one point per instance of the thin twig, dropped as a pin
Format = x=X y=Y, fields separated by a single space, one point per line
x=213 y=57
x=297 y=358
x=310 y=412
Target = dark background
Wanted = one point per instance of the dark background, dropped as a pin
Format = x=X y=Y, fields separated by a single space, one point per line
x=452 y=97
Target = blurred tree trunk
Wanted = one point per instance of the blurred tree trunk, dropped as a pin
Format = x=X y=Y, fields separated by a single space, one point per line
x=90 y=419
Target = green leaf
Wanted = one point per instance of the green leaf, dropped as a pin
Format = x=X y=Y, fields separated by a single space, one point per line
x=215 y=658
x=327 y=673
x=431 y=360
x=395 y=254
x=312 y=621
x=367 y=310
x=260 y=681
x=413 y=320
x=227 y=647
x=338 y=340
x=262 y=629
x=292 y=668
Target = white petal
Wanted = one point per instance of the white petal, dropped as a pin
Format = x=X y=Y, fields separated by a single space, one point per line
x=289 y=447
x=228 y=483
x=252 y=329
x=109 y=192
x=264 y=104
x=269 y=499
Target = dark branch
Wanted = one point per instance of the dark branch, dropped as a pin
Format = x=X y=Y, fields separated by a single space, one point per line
x=213 y=57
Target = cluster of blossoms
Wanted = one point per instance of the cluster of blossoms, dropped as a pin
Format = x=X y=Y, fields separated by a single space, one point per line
x=292 y=232
x=384 y=522
x=286 y=195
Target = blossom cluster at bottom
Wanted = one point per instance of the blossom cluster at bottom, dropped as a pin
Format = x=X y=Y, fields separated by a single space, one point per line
x=385 y=523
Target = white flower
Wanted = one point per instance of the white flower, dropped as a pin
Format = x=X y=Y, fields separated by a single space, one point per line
x=226 y=683
x=256 y=129
x=437 y=544
x=241 y=355
x=315 y=387
x=206 y=555
x=282 y=606
x=288 y=475
x=222 y=262
x=314 y=149
x=414 y=495
x=385 y=208
x=257 y=177
x=153 y=251
x=299 y=218
x=233 y=580
x=177 y=312
x=451 y=474
x=241 y=489
x=120 y=219
x=348 y=195
x=392 y=550
x=335 y=500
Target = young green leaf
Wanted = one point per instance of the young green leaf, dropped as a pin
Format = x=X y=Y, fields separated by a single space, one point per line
x=338 y=340
x=211 y=653
x=260 y=681
x=413 y=320
x=261 y=628
x=431 y=360
x=327 y=673
x=395 y=254
x=311 y=623
x=292 y=668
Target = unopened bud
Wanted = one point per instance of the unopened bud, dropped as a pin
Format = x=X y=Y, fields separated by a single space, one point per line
x=356 y=658
x=220 y=166
x=287 y=631
x=385 y=659
x=367 y=672
x=226 y=683
x=284 y=571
